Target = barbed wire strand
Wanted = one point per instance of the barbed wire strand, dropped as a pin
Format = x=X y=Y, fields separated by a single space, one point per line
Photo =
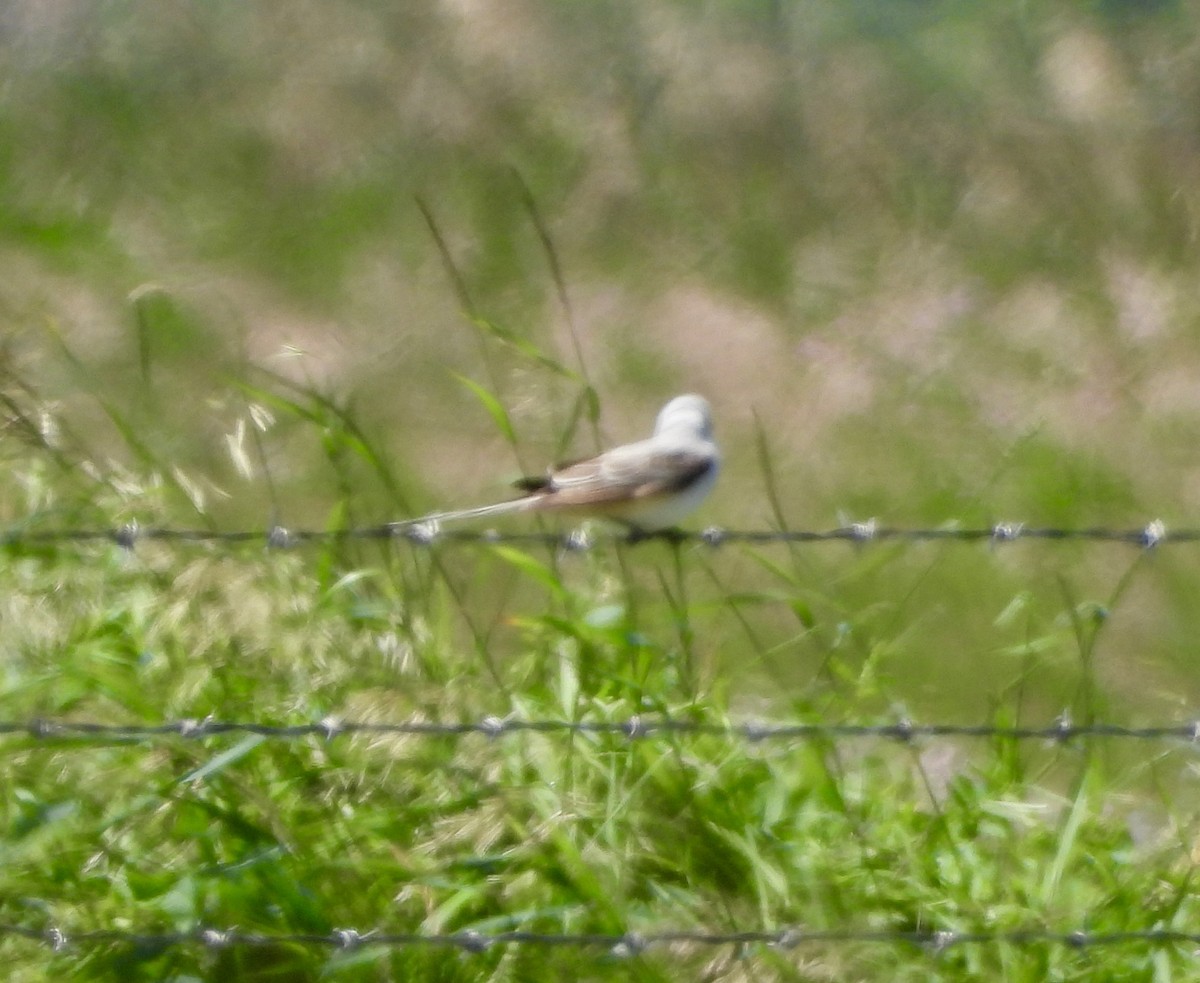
x=430 y=532
x=1061 y=730
x=626 y=945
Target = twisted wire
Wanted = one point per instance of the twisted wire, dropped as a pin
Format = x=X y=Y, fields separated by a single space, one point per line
x=622 y=945
x=429 y=533
x=1061 y=730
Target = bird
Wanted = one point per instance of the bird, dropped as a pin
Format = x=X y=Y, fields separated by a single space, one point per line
x=648 y=486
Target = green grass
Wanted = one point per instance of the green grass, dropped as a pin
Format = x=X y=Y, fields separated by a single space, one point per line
x=341 y=266
x=551 y=832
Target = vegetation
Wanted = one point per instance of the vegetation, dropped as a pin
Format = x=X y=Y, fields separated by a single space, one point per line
x=328 y=265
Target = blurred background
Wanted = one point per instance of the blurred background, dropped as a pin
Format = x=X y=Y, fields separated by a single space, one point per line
x=931 y=262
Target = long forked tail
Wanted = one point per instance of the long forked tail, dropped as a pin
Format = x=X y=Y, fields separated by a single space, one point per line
x=481 y=512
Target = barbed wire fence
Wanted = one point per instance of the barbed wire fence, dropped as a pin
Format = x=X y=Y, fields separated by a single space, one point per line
x=626 y=945
x=65 y=735
x=68 y=734
x=430 y=533
x=1060 y=731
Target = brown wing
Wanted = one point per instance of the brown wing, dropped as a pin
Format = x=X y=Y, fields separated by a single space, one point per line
x=622 y=474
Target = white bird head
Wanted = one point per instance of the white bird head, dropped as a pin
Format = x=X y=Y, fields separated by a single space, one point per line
x=688 y=414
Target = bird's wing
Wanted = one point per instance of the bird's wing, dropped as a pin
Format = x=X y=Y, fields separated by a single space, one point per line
x=624 y=473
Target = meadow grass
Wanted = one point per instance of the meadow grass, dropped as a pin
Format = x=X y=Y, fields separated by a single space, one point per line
x=931 y=263
x=585 y=833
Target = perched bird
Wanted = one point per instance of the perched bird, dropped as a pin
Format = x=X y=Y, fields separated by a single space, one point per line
x=648 y=485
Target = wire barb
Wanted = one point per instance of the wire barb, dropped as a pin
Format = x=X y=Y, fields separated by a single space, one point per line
x=349 y=938
x=1064 y=729
x=472 y=942
x=492 y=727
x=422 y=533
x=630 y=944
x=279 y=538
x=789 y=938
x=942 y=940
x=127 y=535
x=1154 y=533
x=579 y=540
x=40 y=729
x=863 y=532
x=190 y=727
x=330 y=727
x=635 y=728
x=1007 y=532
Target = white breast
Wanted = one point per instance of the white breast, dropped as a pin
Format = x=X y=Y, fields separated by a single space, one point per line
x=665 y=511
